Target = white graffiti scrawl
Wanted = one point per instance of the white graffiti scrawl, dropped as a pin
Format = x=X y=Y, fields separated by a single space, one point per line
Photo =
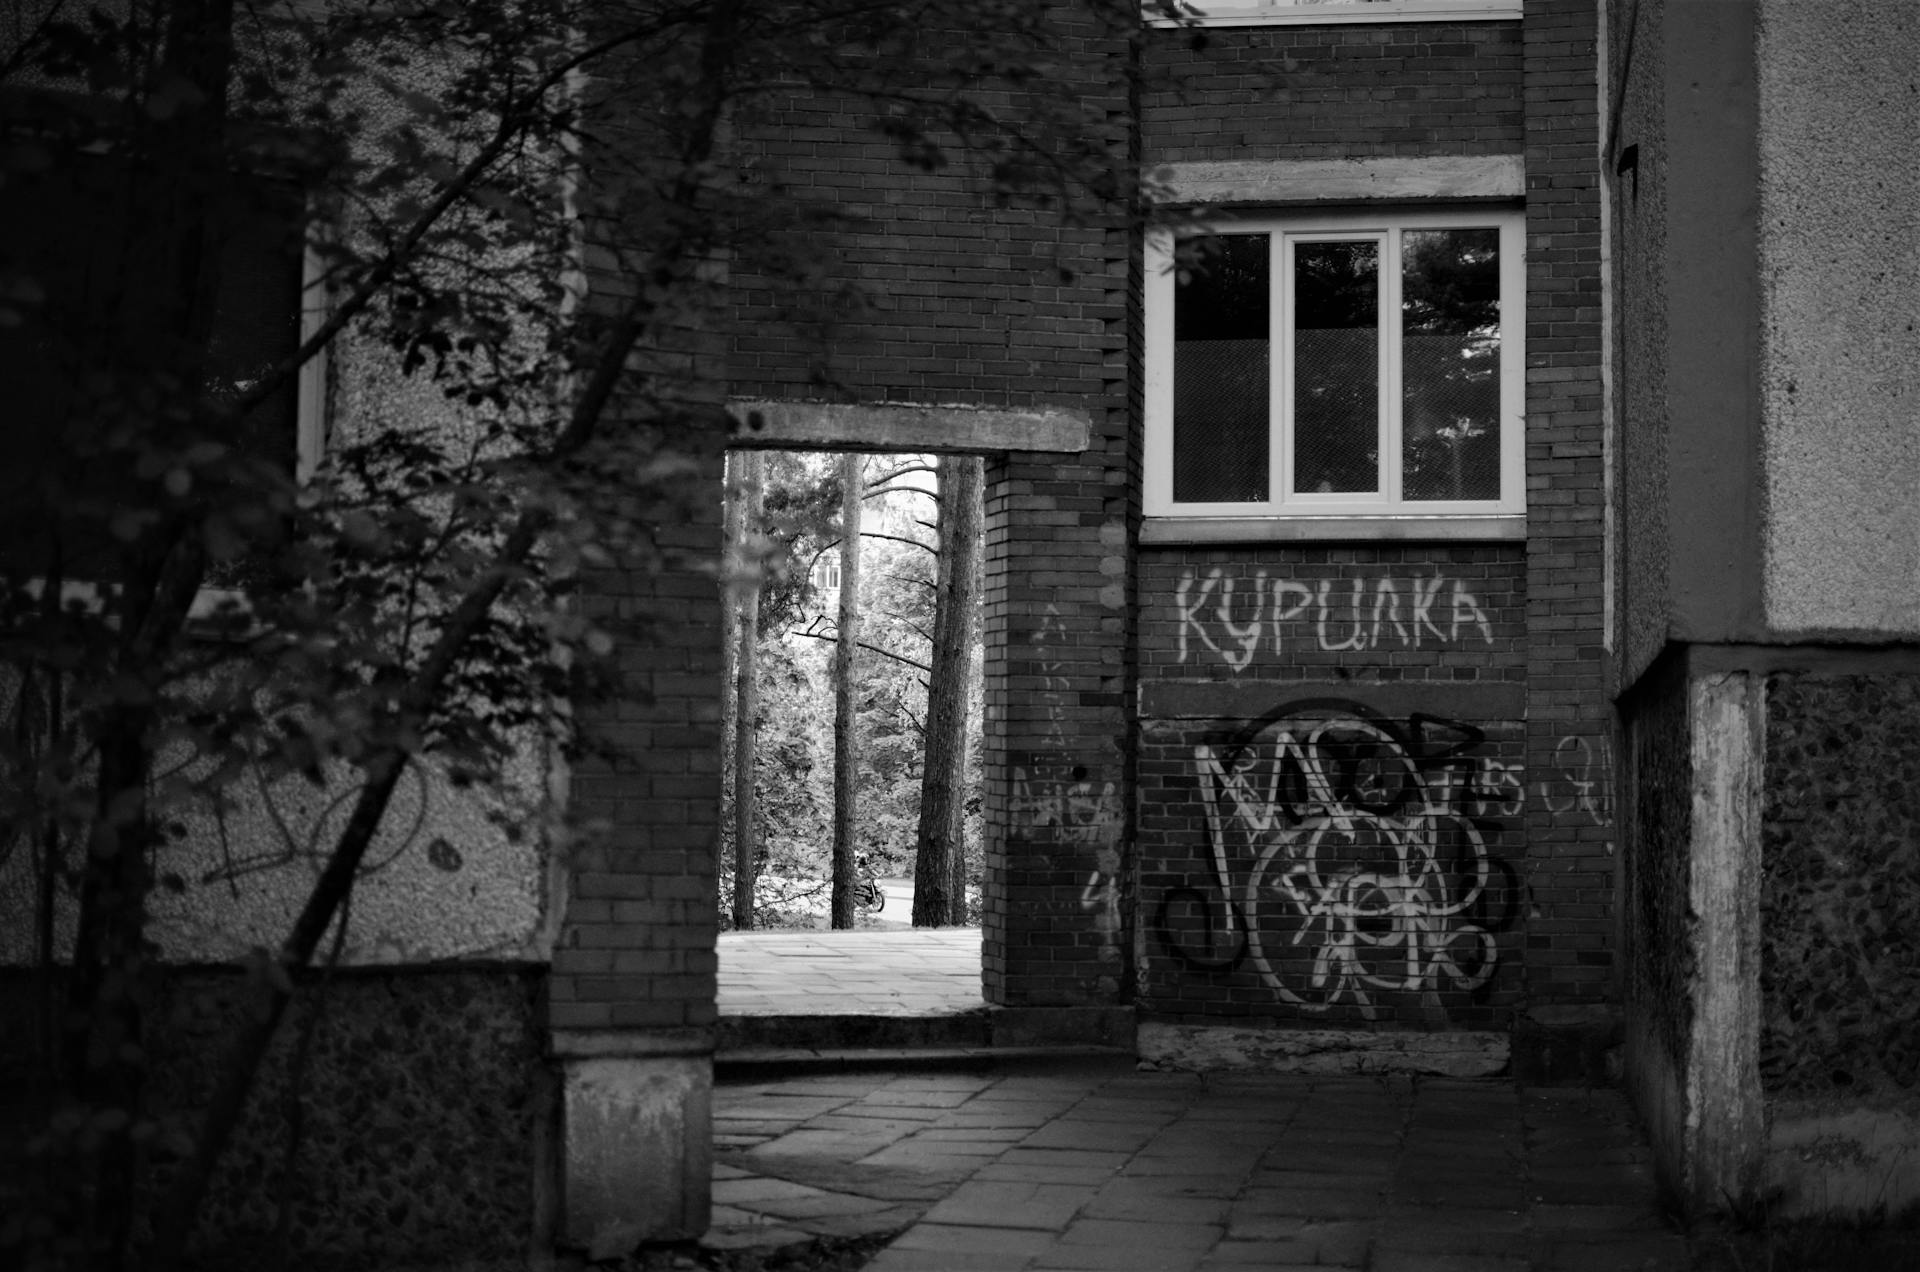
x=1233 y=618
x=1350 y=857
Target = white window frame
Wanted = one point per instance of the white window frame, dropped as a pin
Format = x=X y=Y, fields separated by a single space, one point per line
x=1384 y=508
x=1211 y=13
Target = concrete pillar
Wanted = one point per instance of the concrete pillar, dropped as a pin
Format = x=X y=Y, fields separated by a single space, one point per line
x=1725 y=1135
x=637 y=1141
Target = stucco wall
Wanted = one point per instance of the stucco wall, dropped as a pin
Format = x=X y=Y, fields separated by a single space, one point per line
x=453 y=873
x=1840 y=294
x=1640 y=308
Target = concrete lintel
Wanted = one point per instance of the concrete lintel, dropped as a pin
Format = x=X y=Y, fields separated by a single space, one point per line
x=637 y=1151
x=1725 y=1110
x=1223 y=182
x=1212 y=1048
x=1238 y=701
x=907 y=427
x=583 y=1043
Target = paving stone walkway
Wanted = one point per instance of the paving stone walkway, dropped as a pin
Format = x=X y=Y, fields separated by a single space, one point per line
x=1103 y=1167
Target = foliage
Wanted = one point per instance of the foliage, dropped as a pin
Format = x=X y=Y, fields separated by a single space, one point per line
x=794 y=763
x=186 y=610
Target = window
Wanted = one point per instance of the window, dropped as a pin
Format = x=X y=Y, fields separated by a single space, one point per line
x=1347 y=367
x=1329 y=12
x=68 y=234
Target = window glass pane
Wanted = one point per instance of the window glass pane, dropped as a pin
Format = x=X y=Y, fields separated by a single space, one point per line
x=1450 y=333
x=1336 y=366
x=1220 y=357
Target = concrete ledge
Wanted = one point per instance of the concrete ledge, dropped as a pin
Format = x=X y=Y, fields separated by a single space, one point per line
x=758 y=1064
x=1244 y=700
x=1171 y=530
x=1827 y=1160
x=907 y=426
x=1061 y=1026
x=1208 y=1048
x=582 y=1043
x=1568 y=1046
x=960 y=1029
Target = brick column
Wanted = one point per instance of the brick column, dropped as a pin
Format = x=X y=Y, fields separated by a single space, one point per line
x=1570 y=872
x=634 y=974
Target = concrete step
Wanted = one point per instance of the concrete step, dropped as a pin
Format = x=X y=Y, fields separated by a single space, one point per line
x=850 y=1032
x=759 y=1064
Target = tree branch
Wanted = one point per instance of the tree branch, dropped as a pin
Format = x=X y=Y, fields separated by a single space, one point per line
x=884 y=653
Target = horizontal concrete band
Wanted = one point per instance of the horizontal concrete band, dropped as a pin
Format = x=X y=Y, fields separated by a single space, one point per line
x=1249 y=700
x=1333 y=529
x=905 y=426
x=582 y=1044
x=1214 y=1048
x=1295 y=181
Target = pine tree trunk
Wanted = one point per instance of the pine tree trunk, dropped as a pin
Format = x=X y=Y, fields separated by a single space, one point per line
x=845 y=749
x=939 y=860
x=745 y=600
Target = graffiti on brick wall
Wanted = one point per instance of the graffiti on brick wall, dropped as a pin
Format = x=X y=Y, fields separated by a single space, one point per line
x=1576 y=786
x=1060 y=802
x=1233 y=619
x=1350 y=857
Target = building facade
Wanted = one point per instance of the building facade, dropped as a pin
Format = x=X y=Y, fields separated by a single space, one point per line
x=1449 y=607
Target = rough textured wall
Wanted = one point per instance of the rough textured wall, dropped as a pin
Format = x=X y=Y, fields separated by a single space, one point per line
x=1840 y=972
x=1304 y=92
x=426 y=1108
x=1840 y=270
x=1659 y=952
x=1640 y=331
x=453 y=873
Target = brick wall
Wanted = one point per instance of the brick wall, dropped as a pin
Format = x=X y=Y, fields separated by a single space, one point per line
x=636 y=949
x=968 y=299
x=1318 y=722
x=1466 y=678
x=1570 y=868
x=1339 y=92
x=972 y=302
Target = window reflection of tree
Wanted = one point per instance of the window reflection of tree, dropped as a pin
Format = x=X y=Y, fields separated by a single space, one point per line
x=1450 y=343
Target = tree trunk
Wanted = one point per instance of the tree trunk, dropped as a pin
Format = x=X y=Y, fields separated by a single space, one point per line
x=745 y=602
x=939 y=862
x=845 y=748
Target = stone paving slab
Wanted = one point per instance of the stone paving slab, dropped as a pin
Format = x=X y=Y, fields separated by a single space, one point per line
x=1173 y=1171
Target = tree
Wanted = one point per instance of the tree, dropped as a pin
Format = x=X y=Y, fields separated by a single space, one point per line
x=939 y=875
x=744 y=513
x=413 y=598
x=846 y=755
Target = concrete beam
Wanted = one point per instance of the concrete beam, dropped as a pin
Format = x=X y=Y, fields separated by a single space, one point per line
x=1223 y=182
x=907 y=427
